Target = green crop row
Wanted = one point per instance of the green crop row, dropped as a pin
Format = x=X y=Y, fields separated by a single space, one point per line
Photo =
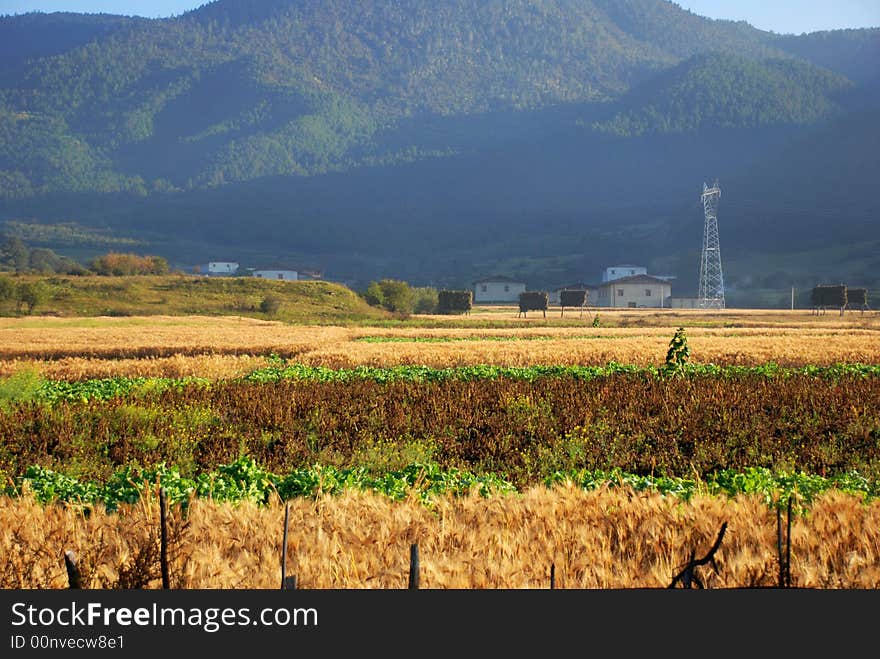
x=106 y=388
x=415 y=373
x=774 y=487
x=279 y=370
x=244 y=479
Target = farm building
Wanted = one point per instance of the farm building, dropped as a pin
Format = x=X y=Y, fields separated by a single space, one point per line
x=218 y=268
x=634 y=291
x=618 y=271
x=282 y=275
x=497 y=289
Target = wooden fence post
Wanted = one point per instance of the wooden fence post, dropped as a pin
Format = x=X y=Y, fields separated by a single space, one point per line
x=784 y=557
x=287 y=583
x=163 y=539
x=414 y=566
x=779 y=556
x=552 y=576
x=788 y=546
x=74 y=579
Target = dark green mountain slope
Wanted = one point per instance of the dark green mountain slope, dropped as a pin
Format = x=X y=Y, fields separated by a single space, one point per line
x=852 y=53
x=33 y=35
x=718 y=90
x=240 y=89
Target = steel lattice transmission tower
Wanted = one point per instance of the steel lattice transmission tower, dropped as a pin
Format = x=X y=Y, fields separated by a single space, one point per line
x=711 y=294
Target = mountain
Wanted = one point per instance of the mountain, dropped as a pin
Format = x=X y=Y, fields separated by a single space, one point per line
x=148 y=107
x=537 y=136
x=714 y=90
x=35 y=35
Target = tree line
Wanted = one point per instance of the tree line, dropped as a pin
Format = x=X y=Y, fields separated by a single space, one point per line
x=16 y=257
x=399 y=297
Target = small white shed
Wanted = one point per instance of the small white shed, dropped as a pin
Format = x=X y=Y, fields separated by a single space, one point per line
x=280 y=275
x=219 y=268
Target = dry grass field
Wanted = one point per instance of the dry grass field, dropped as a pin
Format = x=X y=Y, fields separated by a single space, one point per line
x=218 y=347
x=606 y=538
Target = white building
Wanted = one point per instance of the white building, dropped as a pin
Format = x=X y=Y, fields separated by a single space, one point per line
x=282 y=275
x=617 y=271
x=497 y=289
x=219 y=268
x=634 y=291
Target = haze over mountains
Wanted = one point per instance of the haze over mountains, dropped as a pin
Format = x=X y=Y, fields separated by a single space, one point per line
x=441 y=141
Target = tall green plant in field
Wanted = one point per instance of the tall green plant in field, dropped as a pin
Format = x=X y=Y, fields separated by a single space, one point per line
x=678 y=354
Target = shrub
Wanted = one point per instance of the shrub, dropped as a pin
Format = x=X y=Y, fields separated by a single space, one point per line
x=425 y=300
x=391 y=294
x=7 y=288
x=116 y=264
x=374 y=295
x=270 y=304
x=30 y=295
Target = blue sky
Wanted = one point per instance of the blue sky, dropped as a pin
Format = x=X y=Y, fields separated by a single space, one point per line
x=784 y=16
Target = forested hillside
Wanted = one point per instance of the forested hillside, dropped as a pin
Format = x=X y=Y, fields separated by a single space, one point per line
x=727 y=91
x=34 y=35
x=241 y=89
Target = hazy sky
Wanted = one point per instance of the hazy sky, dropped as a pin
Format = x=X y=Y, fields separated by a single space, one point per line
x=785 y=16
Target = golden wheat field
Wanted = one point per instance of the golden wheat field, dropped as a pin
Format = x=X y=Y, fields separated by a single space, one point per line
x=605 y=538
x=218 y=347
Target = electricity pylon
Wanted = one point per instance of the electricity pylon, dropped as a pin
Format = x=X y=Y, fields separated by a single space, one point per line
x=711 y=294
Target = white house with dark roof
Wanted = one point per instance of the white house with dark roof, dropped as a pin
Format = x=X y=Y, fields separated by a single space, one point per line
x=497 y=289
x=634 y=291
x=619 y=271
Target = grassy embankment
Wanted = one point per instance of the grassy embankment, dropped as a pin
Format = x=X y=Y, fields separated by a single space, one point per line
x=313 y=302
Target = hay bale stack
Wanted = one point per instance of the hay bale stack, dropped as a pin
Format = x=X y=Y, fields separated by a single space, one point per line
x=452 y=302
x=534 y=301
x=829 y=296
x=573 y=298
x=857 y=297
